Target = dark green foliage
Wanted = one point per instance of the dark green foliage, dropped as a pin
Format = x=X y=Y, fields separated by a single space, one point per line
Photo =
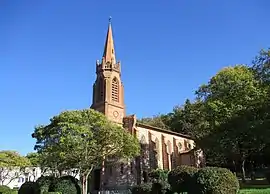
x=73 y=181
x=159 y=178
x=142 y=189
x=29 y=188
x=158 y=175
x=157 y=188
x=5 y=189
x=160 y=188
x=213 y=180
x=65 y=184
x=52 y=193
x=180 y=178
x=46 y=183
x=68 y=185
x=267 y=176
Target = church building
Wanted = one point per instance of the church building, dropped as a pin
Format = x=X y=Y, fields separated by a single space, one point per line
x=160 y=148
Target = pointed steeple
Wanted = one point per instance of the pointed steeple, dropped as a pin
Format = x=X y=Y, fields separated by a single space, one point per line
x=109 y=52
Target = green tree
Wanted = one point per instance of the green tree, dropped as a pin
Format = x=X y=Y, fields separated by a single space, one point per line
x=188 y=119
x=155 y=121
x=83 y=139
x=261 y=66
x=34 y=158
x=232 y=99
x=11 y=162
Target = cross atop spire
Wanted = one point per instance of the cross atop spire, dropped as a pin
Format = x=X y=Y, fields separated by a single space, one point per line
x=109 y=52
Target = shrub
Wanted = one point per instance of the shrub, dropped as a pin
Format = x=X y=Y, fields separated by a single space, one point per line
x=13 y=191
x=267 y=176
x=158 y=175
x=29 y=188
x=142 y=189
x=52 y=193
x=66 y=186
x=180 y=178
x=5 y=189
x=74 y=181
x=213 y=180
x=160 y=188
x=46 y=183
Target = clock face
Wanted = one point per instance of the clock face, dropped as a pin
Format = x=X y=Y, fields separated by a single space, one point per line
x=115 y=114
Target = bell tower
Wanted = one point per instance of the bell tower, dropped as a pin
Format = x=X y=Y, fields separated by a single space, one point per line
x=108 y=90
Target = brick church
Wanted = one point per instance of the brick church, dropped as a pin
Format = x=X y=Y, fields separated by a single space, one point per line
x=160 y=148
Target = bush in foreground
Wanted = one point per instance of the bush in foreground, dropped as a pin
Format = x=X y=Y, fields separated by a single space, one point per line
x=51 y=193
x=5 y=189
x=162 y=187
x=158 y=175
x=72 y=180
x=66 y=187
x=46 y=183
x=180 y=178
x=29 y=188
x=213 y=180
x=267 y=176
x=142 y=189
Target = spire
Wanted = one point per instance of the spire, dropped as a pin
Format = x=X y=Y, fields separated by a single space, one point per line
x=109 y=52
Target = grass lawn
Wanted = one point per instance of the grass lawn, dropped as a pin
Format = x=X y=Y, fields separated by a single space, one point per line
x=255 y=187
x=255 y=191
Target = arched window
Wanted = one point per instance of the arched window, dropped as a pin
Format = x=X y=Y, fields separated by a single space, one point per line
x=100 y=90
x=143 y=143
x=115 y=90
x=157 y=148
x=169 y=150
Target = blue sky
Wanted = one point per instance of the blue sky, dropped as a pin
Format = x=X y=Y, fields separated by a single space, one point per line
x=168 y=49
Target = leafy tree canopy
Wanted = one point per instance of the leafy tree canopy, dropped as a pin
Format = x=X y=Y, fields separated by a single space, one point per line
x=34 y=158
x=83 y=139
x=155 y=121
x=12 y=159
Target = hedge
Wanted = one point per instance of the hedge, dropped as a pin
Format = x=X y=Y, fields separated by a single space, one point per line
x=73 y=181
x=66 y=187
x=65 y=184
x=46 y=183
x=142 y=189
x=213 y=180
x=158 y=175
x=29 y=188
x=180 y=178
x=5 y=190
x=160 y=188
x=267 y=176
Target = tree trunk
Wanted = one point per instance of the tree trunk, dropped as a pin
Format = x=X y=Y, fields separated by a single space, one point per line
x=243 y=171
x=85 y=177
x=84 y=185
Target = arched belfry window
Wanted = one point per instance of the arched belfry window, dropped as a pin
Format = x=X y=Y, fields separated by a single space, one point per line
x=115 y=90
x=101 y=89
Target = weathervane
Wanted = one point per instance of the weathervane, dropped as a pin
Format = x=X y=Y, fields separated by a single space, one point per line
x=110 y=19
